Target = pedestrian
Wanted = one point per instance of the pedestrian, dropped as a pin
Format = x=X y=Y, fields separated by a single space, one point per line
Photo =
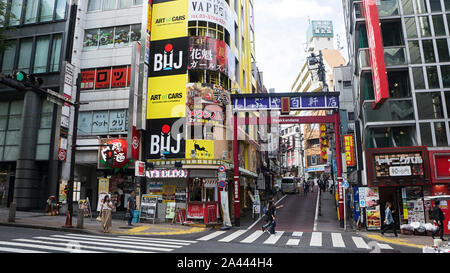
x=438 y=217
x=131 y=205
x=389 y=220
x=270 y=214
x=105 y=212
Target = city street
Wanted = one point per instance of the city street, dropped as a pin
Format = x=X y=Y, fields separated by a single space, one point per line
x=294 y=234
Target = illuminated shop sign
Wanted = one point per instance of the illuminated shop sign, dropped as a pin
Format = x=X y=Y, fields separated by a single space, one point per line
x=167 y=173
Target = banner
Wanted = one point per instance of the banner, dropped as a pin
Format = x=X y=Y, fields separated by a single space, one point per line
x=349 y=149
x=168 y=57
x=225 y=211
x=207 y=53
x=199 y=149
x=205 y=103
x=169 y=19
x=217 y=12
x=166 y=97
x=164 y=139
x=372 y=202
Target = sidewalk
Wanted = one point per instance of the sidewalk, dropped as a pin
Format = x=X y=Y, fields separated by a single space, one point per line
x=328 y=219
x=39 y=220
x=404 y=240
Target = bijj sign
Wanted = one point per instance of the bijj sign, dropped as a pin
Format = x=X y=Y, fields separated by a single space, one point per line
x=169 y=57
x=164 y=140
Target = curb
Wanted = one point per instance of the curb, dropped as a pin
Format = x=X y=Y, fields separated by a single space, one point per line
x=378 y=237
x=74 y=229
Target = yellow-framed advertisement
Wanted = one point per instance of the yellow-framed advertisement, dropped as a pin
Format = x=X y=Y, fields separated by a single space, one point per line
x=169 y=20
x=199 y=149
x=166 y=97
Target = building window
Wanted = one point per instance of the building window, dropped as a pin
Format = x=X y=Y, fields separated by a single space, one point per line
x=440 y=133
x=442 y=48
x=8 y=59
x=407 y=7
x=56 y=53
x=435 y=5
x=46 y=10
x=98 y=5
x=414 y=52
x=438 y=23
x=421 y=6
x=111 y=36
x=424 y=26
x=31 y=11
x=419 y=82
x=103 y=122
x=445 y=72
x=10 y=125
x=425 y=134
x=16 y=12
x=447 y=102
x=428 y=51
x=41 y=54
x=432 y=75
x=411 y=30
x=25 y=54
x=60 y=9
x=429 y=105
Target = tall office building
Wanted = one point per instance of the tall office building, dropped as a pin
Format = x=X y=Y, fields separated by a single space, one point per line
x=399 y=51
x=30 y=126
x=200 y=52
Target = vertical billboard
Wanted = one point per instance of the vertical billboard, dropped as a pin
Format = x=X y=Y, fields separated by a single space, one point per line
x=169 y=19
x=165 y=138
x=349 y=150
x=166 y=97
x=168 y=57
x=375 y=41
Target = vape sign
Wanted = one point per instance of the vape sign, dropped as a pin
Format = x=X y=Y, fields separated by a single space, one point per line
x=168 y=57
x=165 y=138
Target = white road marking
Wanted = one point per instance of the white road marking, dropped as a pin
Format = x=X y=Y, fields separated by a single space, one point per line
x=233 y=236
x=316 y=239
x=274 y=238
x=297 y=234
x=359 y=242
x=43 y=247
x=337 y=240
x=211 y=236
x=293 y=242
x=19 y=250
x=255 y=235
x=384 y=246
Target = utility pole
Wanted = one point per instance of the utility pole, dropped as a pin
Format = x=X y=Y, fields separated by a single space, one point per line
x=72 y=153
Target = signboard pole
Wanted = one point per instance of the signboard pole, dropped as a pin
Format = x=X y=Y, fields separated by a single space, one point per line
x=236 y=172
x=339 y=166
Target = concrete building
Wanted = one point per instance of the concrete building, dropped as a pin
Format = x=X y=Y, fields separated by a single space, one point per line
x=402 y=99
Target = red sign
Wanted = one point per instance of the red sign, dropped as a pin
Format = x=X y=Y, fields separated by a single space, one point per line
x=195 y=211
x=285 y=105
x=87 y=79
x=375 y=41
x=119 y=77
x=62 y=154
x=135 y=144
x=440 y=166
x=103 y=79
x=324 y=144
x=119 y=146
x=349 y=149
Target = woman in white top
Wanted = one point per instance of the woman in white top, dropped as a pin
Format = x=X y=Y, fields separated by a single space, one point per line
x=105 y=212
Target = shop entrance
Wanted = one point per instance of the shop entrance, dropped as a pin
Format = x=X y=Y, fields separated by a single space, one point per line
x=393 y=195
x=285 y=102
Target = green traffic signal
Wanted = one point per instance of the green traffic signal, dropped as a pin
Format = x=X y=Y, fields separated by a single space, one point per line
x=20 y=76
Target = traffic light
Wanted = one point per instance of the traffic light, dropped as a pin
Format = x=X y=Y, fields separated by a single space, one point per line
x=110 y=158
x=27 y=80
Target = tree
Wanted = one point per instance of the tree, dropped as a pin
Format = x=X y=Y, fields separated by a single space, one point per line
x=5 y=16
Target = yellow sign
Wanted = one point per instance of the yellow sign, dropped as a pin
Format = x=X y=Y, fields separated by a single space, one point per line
x=169 y=20
x=166 y=97
x=199 y=149
x=149 y=17
x=103 y=185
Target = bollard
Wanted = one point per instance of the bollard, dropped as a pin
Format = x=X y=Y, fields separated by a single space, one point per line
x=12 y=212
x=80 y=219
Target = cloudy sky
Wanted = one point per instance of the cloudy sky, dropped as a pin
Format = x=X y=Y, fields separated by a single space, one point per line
x=281 y=36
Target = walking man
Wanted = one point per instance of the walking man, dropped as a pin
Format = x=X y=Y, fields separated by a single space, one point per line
x=438 y=217
x=389 y=220
x=131 y=207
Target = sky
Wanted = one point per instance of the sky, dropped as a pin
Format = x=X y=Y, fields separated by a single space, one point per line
x=280 y=36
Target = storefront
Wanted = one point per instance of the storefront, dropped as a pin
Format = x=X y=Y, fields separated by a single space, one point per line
x=169 y=186
x=400 y=176
x=440 y=181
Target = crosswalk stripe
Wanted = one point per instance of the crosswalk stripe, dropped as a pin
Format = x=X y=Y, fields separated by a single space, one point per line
x=129 y=240
x=255 y=235
x=159 y=239
x=42 y=247
x=211 y=236
x=81 y=247
x=359 y=242
x=384 y=246
x=233 y=236
x=297 y=234
x=316 y=239
x=113 y=240
x=337 y=240
x=293 y=242
x=274 y=238
x=110 y=243
x=19 y=250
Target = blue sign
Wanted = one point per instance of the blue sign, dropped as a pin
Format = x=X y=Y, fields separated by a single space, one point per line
x=222 y=184
x=299 y=102
x=334 y=166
